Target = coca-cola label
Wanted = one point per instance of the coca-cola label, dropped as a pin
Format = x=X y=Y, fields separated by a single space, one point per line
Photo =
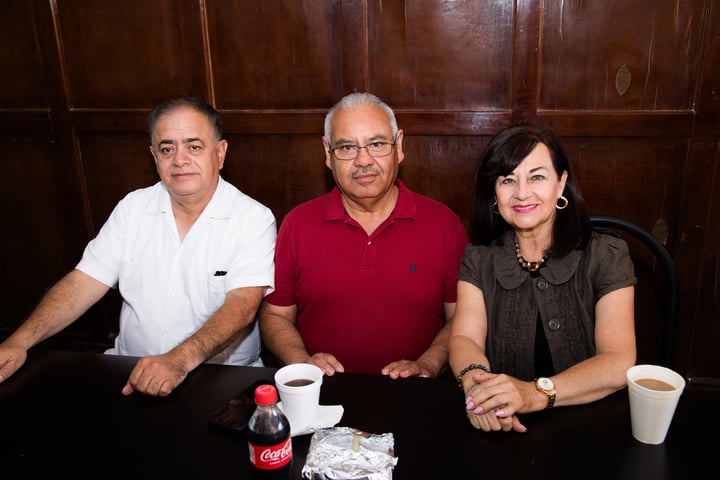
x=270 y=457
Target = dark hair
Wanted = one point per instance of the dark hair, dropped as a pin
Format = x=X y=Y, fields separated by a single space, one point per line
x=504 y=153
x=198 y=104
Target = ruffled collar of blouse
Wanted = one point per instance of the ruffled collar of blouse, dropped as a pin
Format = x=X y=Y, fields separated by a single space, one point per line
x=510 y=275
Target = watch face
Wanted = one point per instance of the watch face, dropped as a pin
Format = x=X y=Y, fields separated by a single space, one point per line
x=545 y=383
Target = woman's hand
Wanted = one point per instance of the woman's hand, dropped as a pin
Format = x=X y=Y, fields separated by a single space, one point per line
x=493 y=400
x=490 y=422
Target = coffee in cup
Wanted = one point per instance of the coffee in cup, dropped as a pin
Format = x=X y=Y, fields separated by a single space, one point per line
x=654 y=384
x=654 y=392
x=299 y=387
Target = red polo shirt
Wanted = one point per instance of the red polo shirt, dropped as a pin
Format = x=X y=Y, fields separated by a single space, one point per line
x=368 y=300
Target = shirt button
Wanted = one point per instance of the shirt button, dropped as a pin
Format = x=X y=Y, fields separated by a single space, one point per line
x=554 y=324
x=541 y=284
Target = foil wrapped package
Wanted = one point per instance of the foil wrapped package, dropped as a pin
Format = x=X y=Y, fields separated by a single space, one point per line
x=344 y=453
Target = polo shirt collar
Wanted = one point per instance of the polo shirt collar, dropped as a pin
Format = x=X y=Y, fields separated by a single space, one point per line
x=404 y=208
x=510 y=276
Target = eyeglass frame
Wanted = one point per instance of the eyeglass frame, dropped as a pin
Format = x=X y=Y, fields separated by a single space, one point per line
x=358 y=148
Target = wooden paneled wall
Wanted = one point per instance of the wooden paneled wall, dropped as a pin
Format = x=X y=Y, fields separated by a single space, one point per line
x=633 y=86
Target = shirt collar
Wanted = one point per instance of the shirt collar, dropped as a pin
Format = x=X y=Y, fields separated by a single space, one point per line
x=510 y=275
x=221 y=203
x=218 y=207
x=404 y=208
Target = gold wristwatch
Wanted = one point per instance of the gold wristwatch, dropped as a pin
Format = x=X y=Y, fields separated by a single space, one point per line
x=546 y=386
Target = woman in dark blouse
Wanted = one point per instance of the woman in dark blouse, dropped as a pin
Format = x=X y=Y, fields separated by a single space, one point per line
x=545 y=309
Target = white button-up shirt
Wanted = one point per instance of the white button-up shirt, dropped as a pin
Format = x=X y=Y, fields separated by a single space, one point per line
x=170 y=288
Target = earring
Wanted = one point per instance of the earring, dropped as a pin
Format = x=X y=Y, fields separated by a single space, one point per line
x=563 y=199
x=495 y=208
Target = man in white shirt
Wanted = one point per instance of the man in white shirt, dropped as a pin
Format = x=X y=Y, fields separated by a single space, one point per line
x=192 y=257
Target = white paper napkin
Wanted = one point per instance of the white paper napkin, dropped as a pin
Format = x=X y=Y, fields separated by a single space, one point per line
x=328 y=416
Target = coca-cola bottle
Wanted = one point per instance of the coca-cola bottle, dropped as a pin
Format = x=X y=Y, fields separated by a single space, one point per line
x=269 y=437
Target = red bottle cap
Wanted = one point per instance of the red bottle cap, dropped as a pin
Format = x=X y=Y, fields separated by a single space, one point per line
x=266 y=395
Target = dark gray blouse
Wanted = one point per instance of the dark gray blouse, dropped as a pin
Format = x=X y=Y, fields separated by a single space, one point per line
x=564 y=295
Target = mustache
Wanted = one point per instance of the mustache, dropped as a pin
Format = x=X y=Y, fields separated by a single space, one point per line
x=365 y=171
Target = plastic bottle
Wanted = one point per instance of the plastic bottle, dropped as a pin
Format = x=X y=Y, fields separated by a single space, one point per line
x=269 y=438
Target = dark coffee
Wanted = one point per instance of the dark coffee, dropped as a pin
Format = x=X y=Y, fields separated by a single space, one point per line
x=300 y=382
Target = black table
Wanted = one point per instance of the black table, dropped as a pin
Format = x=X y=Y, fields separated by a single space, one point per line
x=63 y=416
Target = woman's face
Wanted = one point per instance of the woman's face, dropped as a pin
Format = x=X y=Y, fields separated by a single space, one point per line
x=527 y=197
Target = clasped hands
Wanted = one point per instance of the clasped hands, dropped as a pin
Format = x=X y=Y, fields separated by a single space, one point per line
x=493 y=400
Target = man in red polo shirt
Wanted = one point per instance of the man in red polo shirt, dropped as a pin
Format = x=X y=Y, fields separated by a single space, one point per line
x=365 y=275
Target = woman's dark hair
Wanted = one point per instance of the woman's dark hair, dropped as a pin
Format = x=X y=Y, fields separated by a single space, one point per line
x=505 y=152
x=197 y=104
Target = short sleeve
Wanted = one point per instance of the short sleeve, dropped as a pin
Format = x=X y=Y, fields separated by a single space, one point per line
x=475 y=262
x=613 y=267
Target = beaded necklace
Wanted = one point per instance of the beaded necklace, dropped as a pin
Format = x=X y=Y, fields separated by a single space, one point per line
x=529 y=266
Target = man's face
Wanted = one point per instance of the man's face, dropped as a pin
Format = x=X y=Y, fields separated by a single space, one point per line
x=365 y=177
x=187 y=157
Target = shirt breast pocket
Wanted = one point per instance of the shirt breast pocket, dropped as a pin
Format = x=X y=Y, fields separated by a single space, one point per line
x=216 y=290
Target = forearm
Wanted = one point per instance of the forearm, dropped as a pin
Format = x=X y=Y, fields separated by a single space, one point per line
x=435 y=358
x=289 y=348
x=592 y=379
x=463 y=353
x=233 y=318
x=64 y=303
x=280 y=335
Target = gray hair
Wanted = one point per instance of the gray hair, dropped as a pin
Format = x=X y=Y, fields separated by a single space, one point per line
x=354 y=100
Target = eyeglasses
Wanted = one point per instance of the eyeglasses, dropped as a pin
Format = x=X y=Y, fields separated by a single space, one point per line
x=374 y=149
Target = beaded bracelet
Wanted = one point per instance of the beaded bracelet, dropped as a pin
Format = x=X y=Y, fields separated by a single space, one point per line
x=472 y=366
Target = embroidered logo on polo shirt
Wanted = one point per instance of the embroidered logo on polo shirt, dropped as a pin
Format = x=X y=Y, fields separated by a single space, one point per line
x=413 y=268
